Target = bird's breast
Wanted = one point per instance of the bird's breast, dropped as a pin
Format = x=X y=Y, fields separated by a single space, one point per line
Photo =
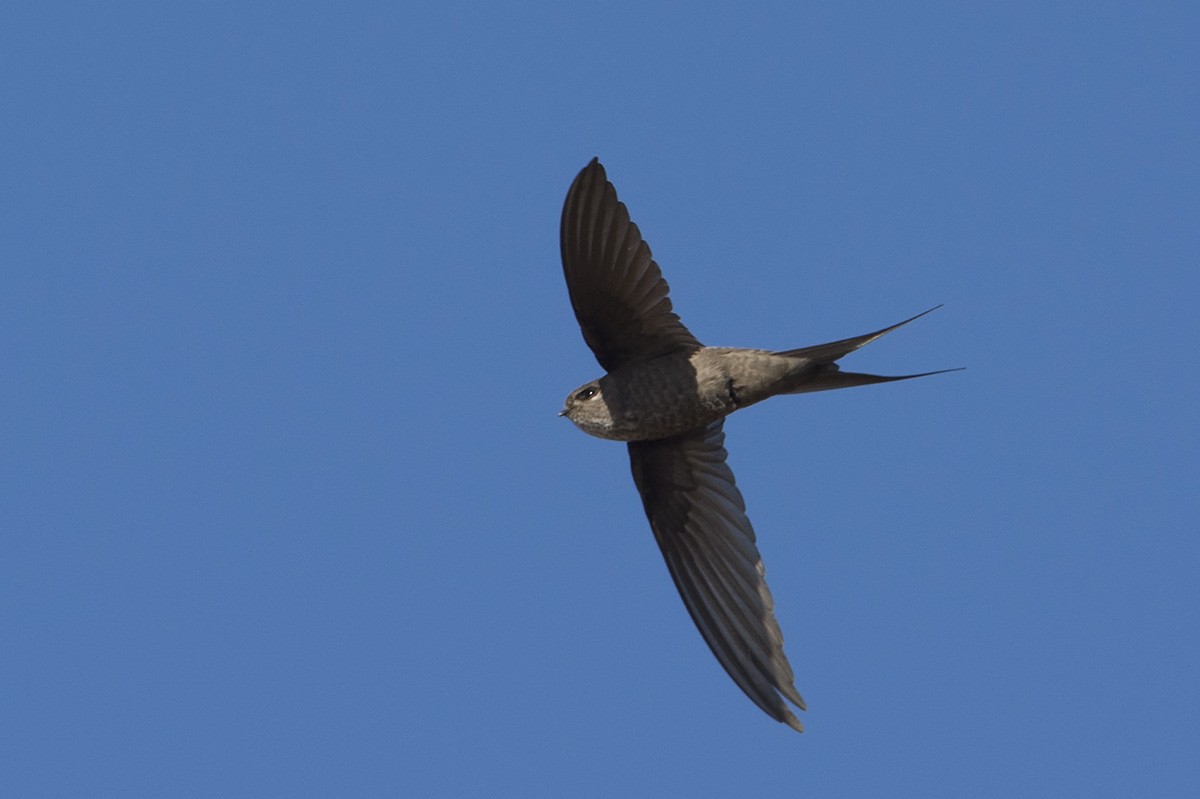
x=664 y=397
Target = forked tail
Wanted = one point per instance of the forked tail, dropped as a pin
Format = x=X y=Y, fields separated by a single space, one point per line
x=830 y=377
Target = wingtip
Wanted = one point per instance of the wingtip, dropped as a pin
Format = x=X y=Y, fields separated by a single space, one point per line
x=594 y=167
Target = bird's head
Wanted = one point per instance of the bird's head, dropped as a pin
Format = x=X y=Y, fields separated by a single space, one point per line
x=586 y=408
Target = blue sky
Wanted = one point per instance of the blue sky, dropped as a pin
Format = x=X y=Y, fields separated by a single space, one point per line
x=286 y=507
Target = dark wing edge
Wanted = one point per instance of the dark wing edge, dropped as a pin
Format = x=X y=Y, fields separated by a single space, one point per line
x=699 y=520
x=617 y=290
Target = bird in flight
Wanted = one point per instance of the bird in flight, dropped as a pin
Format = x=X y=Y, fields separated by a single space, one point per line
x=667 y=396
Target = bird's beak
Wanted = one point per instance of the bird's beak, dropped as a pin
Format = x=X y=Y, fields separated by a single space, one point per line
x=563 y=412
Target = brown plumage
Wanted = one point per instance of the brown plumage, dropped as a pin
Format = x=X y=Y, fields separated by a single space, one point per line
x=667 y=396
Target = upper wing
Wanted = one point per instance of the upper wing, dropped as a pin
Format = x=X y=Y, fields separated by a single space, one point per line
x=617 y=291
x=699 y=520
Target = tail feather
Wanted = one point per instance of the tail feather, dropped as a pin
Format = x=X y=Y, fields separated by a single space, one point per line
x=828 y=353
x=831 y=378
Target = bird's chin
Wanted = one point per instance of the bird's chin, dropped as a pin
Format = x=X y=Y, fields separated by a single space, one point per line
x=597 y=429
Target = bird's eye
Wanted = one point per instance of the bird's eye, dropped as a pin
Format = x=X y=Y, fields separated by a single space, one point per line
x=587 y=393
